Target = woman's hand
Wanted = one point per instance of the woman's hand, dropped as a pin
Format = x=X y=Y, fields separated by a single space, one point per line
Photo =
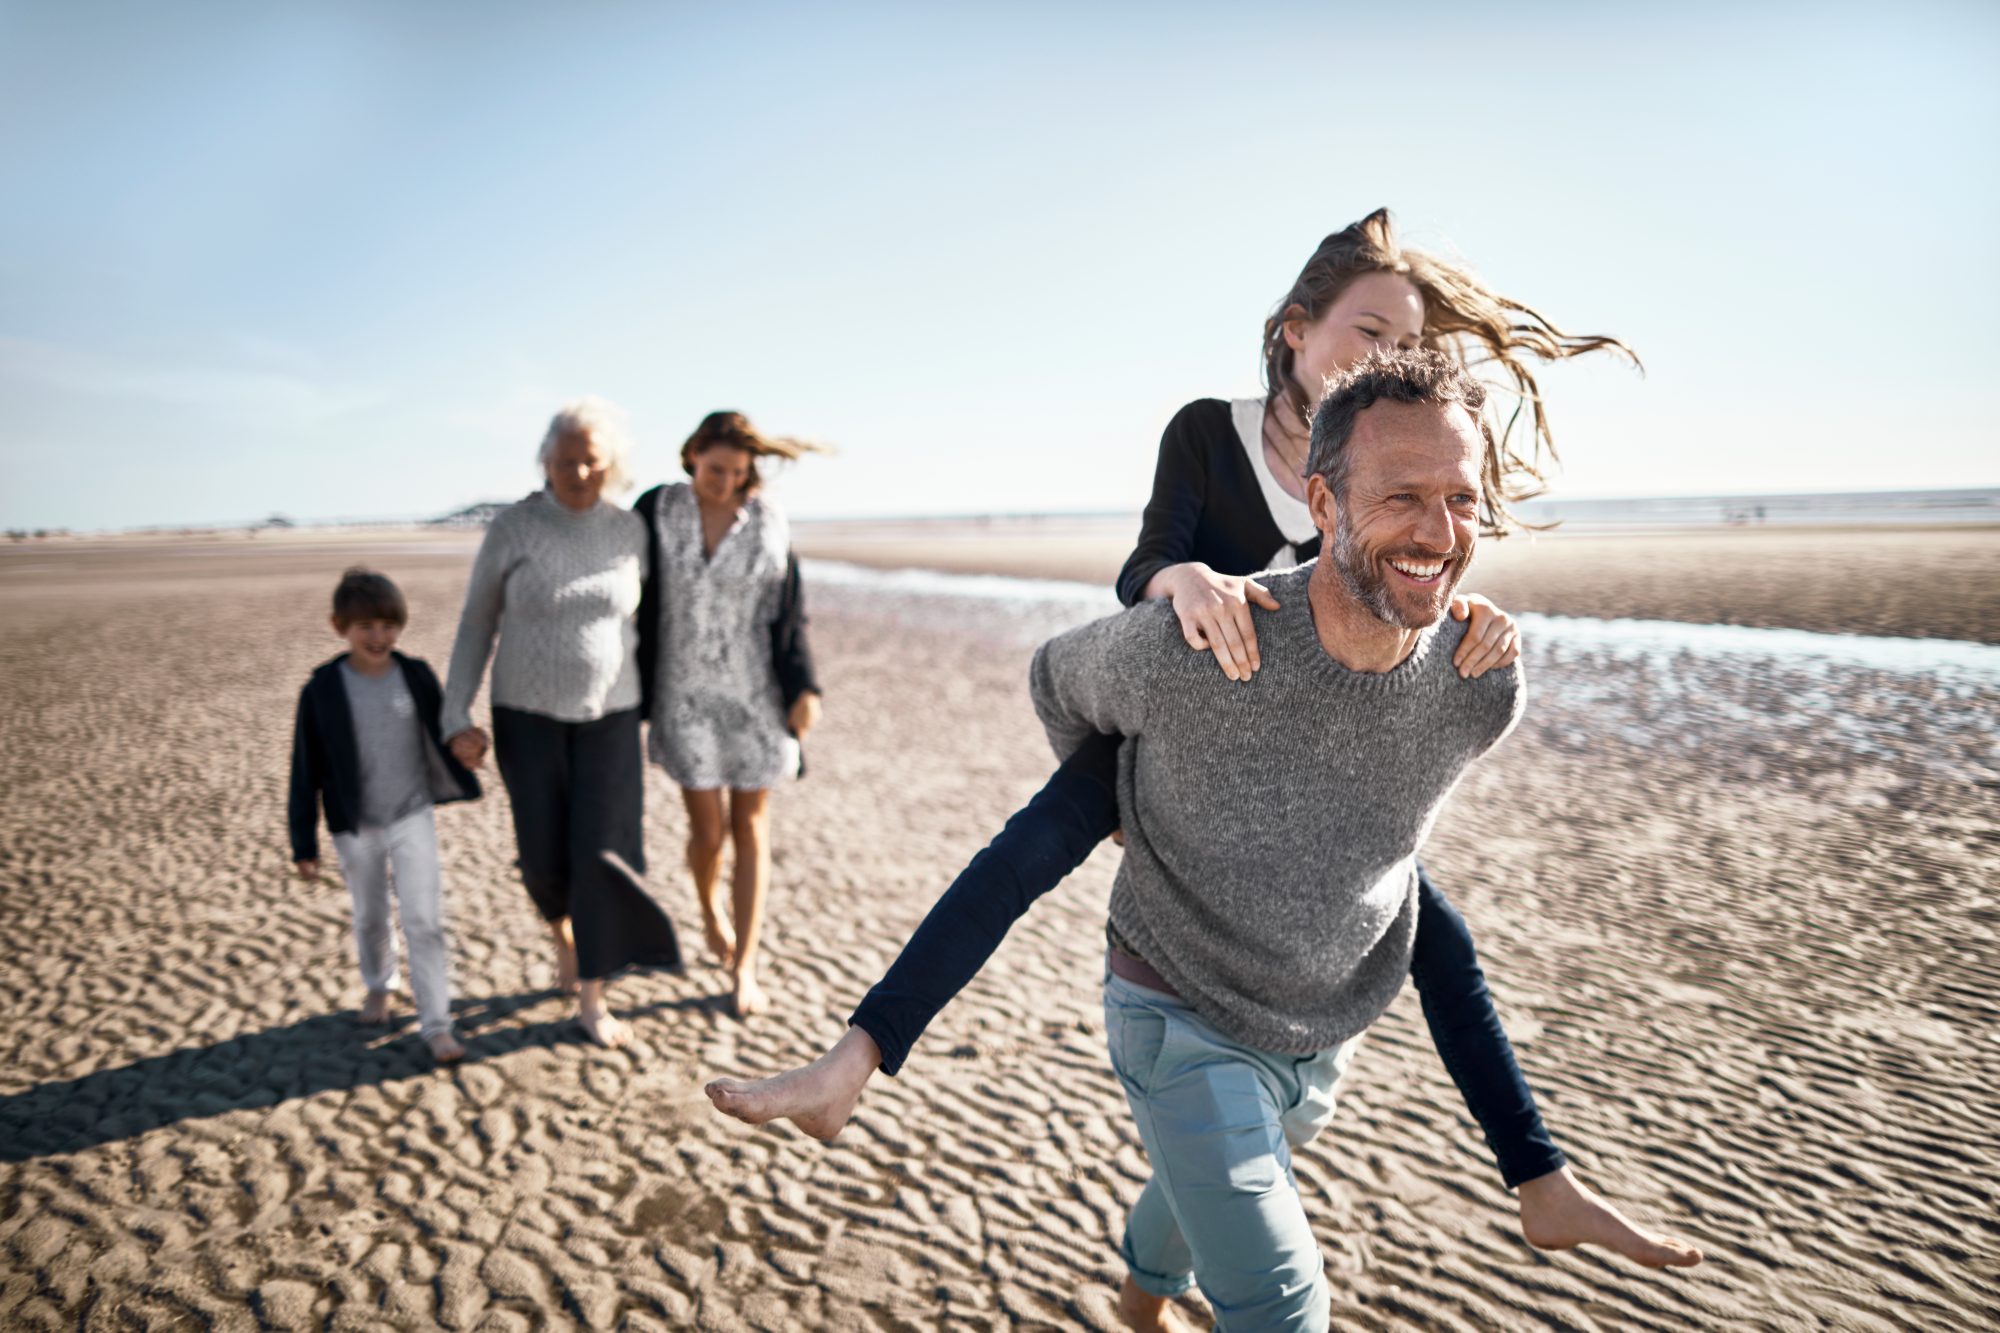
x=1214 y=611
x=1491 y=640
x=469 y=747
x=308 y=870
x=804 y=714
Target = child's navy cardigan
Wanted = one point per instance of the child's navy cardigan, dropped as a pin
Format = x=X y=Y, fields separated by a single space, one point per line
x=326 y=767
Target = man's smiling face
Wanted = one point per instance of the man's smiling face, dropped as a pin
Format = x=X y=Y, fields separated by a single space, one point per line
x=1404 y=531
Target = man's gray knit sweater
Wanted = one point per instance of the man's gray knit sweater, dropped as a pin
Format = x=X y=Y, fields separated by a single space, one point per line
x=1272 y=826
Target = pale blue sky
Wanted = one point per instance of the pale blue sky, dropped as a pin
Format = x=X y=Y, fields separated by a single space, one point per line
x=345 y=259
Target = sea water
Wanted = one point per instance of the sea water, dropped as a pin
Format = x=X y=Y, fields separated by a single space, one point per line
x=1790 y=698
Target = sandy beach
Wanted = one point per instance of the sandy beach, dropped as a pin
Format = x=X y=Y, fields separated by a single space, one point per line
x=1737 y=898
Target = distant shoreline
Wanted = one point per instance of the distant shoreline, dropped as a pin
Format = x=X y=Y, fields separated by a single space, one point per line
x=1955 y=506
x=1910 y=580
x=1913 y=581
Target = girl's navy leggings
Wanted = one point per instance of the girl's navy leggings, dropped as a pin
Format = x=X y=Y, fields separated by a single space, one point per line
x=1051 y=836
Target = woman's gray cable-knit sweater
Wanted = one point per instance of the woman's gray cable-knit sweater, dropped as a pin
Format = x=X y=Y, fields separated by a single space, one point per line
x=560 y=589
x=1272 y=826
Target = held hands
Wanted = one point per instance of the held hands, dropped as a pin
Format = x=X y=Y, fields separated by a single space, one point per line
x=308 y=870
x=1491 y=640
x=469 y=747
x=1214 y=611
x=804 y=714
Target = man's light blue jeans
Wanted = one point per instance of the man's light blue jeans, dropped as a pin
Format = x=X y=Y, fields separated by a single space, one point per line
x=1219 y=1121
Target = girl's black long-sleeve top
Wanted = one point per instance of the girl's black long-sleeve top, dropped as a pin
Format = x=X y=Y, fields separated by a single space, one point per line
x=1207 y=505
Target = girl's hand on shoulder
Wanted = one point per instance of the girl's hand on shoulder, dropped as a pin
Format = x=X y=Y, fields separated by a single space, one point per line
x=803 y=715
x=1214 y=611
x=1492 y=639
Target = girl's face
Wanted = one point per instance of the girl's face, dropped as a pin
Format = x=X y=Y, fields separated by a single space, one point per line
x=577 y=470
x=1376 y=310
x=720 y=473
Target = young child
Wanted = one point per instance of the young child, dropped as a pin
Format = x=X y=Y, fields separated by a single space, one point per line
x=366 y=747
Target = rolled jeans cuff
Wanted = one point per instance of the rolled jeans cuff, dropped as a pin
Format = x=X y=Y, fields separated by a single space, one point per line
x=1153 y=1284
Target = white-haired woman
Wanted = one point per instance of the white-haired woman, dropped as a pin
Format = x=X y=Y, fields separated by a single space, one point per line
x=557 y=580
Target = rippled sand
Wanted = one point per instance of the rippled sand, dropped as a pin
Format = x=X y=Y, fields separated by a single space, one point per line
x=1740 y=917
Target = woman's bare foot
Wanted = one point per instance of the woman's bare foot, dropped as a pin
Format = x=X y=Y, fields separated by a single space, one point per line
x=720 y=934
x=818 y=1097
x=1147 y=1313
x=375 y=1009
x=566 y=981
x=750 y=997
x=594 y=1016
x=604 y=1028
x=445 y=1046
x=1558 y=1212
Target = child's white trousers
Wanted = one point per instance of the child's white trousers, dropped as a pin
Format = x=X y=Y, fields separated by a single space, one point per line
x=405 y=854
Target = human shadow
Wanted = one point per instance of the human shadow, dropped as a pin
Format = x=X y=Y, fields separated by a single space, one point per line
x=262 y=1069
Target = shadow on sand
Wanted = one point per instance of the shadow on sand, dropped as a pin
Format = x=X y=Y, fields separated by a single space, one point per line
x=262 y=1069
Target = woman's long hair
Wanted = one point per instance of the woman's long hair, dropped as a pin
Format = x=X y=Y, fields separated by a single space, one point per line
x=734 y=430
x=1462 y=316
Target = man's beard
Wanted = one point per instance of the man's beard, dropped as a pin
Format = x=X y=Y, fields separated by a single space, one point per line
x=1367 y=580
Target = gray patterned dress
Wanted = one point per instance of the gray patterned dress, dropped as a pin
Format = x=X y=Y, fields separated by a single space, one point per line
x=718 y=715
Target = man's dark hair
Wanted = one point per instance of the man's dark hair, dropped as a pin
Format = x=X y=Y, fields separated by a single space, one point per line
x=1418 y=376
x=365 y=595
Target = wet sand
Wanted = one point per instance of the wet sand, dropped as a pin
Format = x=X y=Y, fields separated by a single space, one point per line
x=1740 y=920
x=1929 y=582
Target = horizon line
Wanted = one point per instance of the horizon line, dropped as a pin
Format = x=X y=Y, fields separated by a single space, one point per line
x=281 y=520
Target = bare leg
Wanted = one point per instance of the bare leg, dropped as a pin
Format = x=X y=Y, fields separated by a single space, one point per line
x=559 y=930
x=818 y=1097
x=375 y=1009
x=704 y=858
x=1558 y=1212
x=1147 y=1313
x=595 y=1016
x=750 y=828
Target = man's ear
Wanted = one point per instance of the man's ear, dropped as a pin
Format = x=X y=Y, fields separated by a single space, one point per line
x=1321 y=504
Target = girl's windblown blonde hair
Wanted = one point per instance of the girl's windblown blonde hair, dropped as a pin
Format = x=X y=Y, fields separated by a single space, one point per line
x=1462 y=316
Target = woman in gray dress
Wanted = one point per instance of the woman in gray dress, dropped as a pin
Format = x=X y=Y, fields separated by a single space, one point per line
x=731 y=688
x=557 y=580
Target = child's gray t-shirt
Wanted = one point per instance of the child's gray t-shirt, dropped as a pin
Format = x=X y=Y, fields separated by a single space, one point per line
x=389 y=741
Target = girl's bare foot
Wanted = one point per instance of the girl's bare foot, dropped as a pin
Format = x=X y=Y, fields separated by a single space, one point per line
x=445 y=1046
x=750 y=997
x=566 y=981
x=375 y=1009
x=720 y=934
x=1147 y=1313
x=818 y=1097
x=1558 y=1212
